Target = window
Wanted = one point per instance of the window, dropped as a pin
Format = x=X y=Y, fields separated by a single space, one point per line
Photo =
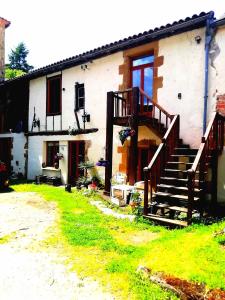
x=79 y=96
x=52 y=150
x=142 y=74
x=54 y=95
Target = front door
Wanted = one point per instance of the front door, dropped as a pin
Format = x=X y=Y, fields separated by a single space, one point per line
x=145 y=155
x=76 y=156
x=142 y=74
x=5 y=152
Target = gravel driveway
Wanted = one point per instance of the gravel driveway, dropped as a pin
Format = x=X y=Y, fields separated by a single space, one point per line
x=28 y=270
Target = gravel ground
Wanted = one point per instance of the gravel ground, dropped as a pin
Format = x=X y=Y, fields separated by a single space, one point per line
x=28 y=271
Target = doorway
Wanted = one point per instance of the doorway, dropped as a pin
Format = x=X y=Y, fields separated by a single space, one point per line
x=5 y=152
x=145 y=154
x=142 y=74
x=76 y=156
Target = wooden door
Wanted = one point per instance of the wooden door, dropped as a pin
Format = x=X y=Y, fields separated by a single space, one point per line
x=145 y=155
x=76 y=156
x=5 y=152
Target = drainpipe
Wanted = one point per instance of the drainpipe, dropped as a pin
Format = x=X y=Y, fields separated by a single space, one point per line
x=208 y=39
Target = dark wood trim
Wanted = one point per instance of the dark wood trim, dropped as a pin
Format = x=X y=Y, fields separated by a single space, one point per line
x=48 y=79
x=109 y=141
x=133 y=151
x=62 y=132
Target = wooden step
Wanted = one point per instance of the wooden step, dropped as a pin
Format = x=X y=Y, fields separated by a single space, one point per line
x=188 y=151
x=181 y=180
x=175 y=170
x=178 y=208
x=183 y=155
x=173 y=187
x=173 y=196
x=162 y=205
x=166 y=220
x=180 y=163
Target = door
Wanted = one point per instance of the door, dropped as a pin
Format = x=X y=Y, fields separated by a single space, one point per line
x=5 y=152
x=145 y=155
x=76 y=156
x=142 y=75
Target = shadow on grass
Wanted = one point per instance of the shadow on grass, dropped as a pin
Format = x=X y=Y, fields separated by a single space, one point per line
x=8 y=190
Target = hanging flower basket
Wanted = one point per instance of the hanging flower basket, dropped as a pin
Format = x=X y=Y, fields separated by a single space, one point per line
x=125 y=133
x=102 y=163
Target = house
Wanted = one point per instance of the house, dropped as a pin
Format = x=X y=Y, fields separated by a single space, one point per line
x=164 y=85
x=13 y=115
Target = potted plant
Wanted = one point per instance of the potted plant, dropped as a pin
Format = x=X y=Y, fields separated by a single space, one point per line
x=125 y=133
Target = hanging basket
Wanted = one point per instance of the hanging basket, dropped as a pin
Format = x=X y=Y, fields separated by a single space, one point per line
x=125 y=133
x=102 y=163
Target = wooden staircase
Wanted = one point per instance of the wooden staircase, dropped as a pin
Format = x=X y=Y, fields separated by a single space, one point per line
x=176 y=178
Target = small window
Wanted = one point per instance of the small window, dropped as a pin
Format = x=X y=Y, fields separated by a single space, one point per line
x=54 y=95
x=79 y=96
x=52 y=150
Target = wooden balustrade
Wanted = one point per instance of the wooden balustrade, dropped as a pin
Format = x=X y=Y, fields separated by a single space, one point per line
x=211 y=146
x=157 y=164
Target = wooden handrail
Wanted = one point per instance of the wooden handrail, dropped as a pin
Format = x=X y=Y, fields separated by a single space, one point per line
x=164 y=140
x=211 y=145
x=155 y=104
x=158 y=162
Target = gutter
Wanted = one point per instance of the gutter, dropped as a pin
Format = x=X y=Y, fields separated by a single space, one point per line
x=209 y=34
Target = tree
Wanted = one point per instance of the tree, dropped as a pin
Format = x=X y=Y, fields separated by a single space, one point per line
x=12 y=73
x=18 y=59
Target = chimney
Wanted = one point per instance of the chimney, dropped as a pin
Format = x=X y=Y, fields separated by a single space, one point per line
x=3 y=25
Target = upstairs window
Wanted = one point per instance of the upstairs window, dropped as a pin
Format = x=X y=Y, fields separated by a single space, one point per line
x=52 y=150
x=79 y=96
x=142 y=73
x=54 y=95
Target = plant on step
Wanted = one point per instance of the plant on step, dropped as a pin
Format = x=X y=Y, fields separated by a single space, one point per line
x=125 y=133
x=135 y=202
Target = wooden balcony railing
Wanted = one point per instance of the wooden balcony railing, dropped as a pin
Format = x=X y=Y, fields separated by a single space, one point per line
x=211 y=146
x=157 y=165
x=124 y=106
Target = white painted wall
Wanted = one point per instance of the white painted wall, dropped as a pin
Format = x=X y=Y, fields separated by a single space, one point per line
x=101 y=76
x=183 y=72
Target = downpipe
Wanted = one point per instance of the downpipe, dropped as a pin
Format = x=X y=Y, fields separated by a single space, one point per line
x=209 y=34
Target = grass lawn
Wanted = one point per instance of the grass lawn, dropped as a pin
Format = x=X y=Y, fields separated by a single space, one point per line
x=110 y=250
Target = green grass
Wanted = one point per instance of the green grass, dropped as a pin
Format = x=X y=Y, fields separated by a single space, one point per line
x=110 y=250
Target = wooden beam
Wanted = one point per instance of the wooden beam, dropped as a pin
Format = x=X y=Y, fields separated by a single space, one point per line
x=109 y=141
x=133 y=151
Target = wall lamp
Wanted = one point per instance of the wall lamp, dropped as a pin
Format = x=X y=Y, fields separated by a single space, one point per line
x=86 y=117
x=198 y=39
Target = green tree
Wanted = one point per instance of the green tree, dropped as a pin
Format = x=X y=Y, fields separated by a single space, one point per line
x=18 y=58
x=12 y=73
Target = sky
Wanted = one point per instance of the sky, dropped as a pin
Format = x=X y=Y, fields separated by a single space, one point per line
x=53 y=30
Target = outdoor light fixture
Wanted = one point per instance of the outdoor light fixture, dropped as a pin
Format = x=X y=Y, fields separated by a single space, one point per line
x=198 y=39
x=86 y=117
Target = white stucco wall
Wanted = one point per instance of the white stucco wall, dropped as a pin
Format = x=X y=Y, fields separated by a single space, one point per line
x=101 y=76
x=183 y=72
x=17 y=151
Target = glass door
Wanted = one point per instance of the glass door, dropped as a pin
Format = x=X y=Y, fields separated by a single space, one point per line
x=142 y=77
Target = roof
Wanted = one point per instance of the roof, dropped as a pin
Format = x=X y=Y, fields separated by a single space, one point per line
x=183 y=25
x=4 y=22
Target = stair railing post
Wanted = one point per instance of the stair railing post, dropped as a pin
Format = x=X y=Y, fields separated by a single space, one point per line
x=215 y=165
x=109 y=141
x=134 y=138
x=146 y=187
x=190 y=185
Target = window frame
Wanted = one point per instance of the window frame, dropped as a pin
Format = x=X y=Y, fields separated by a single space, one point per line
x=77 y=98
x=55 y=145
x=48 y=100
